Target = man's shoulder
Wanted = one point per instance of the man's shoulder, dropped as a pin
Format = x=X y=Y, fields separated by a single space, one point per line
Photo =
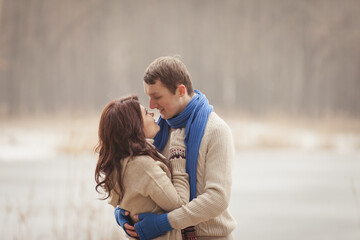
x=216 y=123
x=217 y=133
x=216 y=127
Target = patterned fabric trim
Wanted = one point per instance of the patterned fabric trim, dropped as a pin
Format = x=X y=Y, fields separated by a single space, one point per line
x=177 y=153
x=189 y=233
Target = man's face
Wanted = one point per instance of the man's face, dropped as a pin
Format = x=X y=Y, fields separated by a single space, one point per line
x=162 y=99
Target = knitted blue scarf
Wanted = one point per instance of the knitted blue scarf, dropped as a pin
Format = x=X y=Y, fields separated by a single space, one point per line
x=194 y=119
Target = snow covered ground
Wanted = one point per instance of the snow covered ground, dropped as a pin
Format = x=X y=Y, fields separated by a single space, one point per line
x=288 y=183
x=296 y=195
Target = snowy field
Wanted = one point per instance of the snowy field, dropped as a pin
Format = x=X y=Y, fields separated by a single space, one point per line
x=309 y=188
x=297 y=195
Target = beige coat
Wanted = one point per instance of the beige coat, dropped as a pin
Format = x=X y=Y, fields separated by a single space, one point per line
x=149 y=188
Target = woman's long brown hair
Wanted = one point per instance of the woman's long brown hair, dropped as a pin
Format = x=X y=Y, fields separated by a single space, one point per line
x=121 y=135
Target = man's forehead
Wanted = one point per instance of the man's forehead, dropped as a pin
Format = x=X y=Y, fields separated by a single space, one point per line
x=150 y=90
x=154 y=89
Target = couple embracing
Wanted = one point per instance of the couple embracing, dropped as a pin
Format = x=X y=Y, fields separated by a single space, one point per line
x=169 y=179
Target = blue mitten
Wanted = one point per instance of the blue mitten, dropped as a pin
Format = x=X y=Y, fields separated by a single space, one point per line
x=121 y=219
x=152 y=225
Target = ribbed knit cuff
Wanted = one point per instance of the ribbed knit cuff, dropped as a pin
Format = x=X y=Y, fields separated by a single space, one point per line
x=174 y=222
x=164 y=223
x=178 y=165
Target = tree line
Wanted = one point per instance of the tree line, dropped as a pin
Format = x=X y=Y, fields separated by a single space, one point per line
x=256 y=56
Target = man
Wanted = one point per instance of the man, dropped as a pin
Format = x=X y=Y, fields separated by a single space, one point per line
x=209 y=155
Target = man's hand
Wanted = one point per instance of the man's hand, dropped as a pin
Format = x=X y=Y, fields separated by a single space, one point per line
x=152 y=225
x=123 y=219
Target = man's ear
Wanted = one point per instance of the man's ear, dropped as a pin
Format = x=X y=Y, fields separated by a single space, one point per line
x=181 y=90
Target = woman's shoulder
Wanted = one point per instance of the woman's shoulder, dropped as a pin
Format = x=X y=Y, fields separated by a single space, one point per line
x=143 y=159
x=143 y=168
x=147 y=163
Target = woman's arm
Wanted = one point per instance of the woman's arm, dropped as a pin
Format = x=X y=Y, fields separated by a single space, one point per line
x=167 y=193
x=151 y=178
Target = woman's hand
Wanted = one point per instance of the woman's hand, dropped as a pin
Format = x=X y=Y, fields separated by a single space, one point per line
x=123 y=219
x=130 y=229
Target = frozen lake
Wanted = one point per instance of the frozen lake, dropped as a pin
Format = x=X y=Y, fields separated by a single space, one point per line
x=277 y=194
x=296 y=195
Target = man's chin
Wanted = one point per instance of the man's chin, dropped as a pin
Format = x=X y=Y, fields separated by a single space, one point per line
x=164 y=116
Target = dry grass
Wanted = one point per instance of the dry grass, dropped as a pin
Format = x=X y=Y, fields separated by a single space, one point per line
x=338 y=133
x=80 y=137
x=68 y=210
x=77 y=134
x=71 y=134
x=75 y=213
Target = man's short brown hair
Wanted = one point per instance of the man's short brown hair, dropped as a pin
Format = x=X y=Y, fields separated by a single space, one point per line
x=171 y=72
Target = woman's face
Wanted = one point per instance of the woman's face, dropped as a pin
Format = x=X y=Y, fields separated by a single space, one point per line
x=151 y=128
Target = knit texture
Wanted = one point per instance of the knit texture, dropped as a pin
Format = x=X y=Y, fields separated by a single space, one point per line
x=194 y=119
x=152 y=225
x=149 y=188
x=209 y=210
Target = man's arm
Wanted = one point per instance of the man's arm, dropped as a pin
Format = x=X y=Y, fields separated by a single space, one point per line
x=216 y=196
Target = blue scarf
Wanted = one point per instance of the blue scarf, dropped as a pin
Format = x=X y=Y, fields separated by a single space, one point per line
x=194 y=119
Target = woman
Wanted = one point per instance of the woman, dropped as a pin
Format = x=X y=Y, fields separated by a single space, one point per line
x=130 y=170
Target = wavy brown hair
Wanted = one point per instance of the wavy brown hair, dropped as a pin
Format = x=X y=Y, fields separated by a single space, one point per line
x=121 y=135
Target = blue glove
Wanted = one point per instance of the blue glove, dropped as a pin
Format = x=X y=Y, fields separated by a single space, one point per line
x=152 y=225
x=121 y=219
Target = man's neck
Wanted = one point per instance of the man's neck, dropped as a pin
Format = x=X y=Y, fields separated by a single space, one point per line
x=185 y=101
x=188 y=98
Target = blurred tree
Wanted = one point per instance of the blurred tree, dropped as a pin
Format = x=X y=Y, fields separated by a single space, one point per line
x=257 y=56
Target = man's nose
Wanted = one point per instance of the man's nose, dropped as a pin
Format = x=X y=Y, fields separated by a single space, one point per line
x=152 y=104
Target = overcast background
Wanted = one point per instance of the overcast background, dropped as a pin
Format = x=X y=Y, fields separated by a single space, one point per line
x=284 y=74
x=257 y=56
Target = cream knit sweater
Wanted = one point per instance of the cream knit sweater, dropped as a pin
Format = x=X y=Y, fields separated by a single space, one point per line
x=149 y=188
x=209 y=210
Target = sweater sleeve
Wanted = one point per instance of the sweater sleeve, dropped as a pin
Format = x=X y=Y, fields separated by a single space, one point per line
x=157 y=185
x=180 y=179
x=113 y=199
x=216 y=195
